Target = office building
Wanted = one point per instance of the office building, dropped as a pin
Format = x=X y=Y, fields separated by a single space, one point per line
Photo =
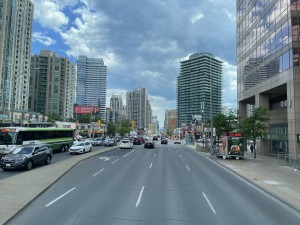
x=268 y=69
x=15 y=49
x=199 y=87
x=138 y=108
x=91 y=83
x=171 y=120
x=52 y=86
x=155 y=125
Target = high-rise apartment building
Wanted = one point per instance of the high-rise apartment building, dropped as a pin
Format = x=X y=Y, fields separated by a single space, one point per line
x=199 y=87
x=268 y=69
x=91 y=83
x=117 y=110
x=52 y=86
x=138 y=108
x=15 y=49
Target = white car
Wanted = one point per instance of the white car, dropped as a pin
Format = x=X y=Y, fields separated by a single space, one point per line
x=126 y=144
x=177 y=141
x=81 y=147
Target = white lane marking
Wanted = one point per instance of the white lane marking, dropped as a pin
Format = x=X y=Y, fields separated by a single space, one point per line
x=98 y=172
x=140 y=197
x=210 y=205
x=154 y=154
x=188 y=168
x=180 y=156
x=50 y=203
x=104 y=158
x=128 y=153
x=115 y=161
x=150 y=166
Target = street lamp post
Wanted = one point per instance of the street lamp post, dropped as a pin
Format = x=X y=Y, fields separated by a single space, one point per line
x=211 y=112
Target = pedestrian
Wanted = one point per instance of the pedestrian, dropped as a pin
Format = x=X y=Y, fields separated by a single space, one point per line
x=251 y=148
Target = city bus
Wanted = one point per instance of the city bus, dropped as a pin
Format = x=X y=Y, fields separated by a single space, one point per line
x=60 y=139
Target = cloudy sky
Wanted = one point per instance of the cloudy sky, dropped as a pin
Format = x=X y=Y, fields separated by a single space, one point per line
x=141 y=41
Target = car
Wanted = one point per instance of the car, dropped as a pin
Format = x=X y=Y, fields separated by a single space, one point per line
x=177 y=141
x=155 y=138
x=164 y=141
x=126 y=144
x=81 y=147
x=26 y=156
x=137 y=141
x=97 y=142
x=110 y=142
x=149 y=144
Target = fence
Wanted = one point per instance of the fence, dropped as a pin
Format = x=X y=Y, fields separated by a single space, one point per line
x=291 y=160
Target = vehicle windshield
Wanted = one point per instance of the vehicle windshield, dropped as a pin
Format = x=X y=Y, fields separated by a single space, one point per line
x=80 y=144
x=7 y=138
x=23 y=150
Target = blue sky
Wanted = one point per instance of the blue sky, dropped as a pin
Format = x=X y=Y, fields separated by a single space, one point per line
x=141 y=41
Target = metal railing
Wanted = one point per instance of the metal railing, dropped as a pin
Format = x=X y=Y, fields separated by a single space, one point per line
x=290 y=160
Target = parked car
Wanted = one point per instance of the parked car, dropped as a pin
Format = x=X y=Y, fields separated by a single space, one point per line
x=81 y=147
x=110 y=142
x=149 y=144
x=126 y=144
x=97 y=142
x=177 y=141
x=26 y=156
x=164 y=141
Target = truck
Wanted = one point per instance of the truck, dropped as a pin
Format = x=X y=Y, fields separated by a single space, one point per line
x=232 y=146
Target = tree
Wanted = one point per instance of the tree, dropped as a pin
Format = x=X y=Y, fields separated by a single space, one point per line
x=225 y=123
x=54 y=117
x=255 y=126
x=125 y=127
x=85 y=118
x=111 y=129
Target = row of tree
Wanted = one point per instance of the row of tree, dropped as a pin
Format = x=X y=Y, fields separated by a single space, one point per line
x=252 y=127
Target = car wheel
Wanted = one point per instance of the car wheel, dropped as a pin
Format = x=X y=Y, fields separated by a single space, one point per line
x=91 y=149
x=29 y=165
x=47 y=160
x=64 y=148
x=83 y=151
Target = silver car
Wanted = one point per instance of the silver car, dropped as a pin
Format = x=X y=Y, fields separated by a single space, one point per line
x=26 y=156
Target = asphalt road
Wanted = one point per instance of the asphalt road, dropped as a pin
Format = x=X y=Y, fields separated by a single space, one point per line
x=170 y=184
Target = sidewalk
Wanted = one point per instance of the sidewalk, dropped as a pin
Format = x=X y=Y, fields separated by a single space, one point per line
x=280 y=181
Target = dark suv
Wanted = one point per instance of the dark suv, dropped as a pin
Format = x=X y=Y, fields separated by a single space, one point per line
x=26 y=156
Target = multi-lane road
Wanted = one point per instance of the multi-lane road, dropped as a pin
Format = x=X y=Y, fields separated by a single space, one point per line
x=170 y=184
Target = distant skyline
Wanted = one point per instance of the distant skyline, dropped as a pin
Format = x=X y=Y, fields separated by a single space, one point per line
x=141 y=42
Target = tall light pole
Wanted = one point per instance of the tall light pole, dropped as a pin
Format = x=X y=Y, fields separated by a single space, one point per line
x=211 y=112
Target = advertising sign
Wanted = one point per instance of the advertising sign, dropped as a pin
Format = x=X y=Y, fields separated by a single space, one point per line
x=85 y=109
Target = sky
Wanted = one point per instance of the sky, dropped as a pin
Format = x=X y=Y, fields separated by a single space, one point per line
x=142 y=42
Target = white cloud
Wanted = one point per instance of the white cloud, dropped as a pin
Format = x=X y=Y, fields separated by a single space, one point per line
x=49 y=14
x=197 y=17
x=159 y=46
x=42 y=38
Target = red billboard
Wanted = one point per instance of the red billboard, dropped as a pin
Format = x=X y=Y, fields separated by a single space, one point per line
x=85 y=109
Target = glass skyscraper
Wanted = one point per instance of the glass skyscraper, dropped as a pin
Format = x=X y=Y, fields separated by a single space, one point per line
x=91 y=83
x=199 y=87
x=268 y=68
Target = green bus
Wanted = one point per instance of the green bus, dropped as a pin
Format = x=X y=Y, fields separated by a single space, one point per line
x=60 y=139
